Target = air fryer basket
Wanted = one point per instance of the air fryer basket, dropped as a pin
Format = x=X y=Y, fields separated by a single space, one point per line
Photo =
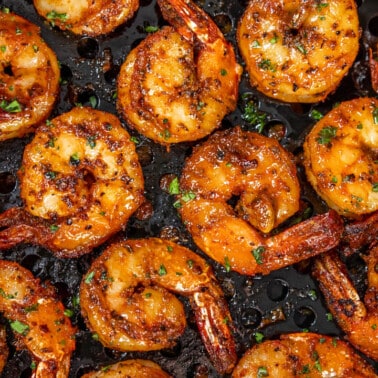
x=287 y=300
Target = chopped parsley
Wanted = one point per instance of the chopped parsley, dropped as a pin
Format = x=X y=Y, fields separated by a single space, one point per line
x=19 y=327
x=74 y=159
x=258 y=254
x=162 y=270
x=259 y=337
x=375 y=115
x=227 y=264
x=316 y=114
x=254 y=116
x=267 y=65
x=89 y=277
x=55 y=16
x=262 y=371
x=326 y=134
x=11 y=107
x=91 y=141
x=174 y=186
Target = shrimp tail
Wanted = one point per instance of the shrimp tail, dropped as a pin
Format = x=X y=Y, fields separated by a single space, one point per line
x=18 y=226
x=305 y=239
x=359 y=234
x=344 y=301
x=356 y=317
x=181 y=13
x=215 y=327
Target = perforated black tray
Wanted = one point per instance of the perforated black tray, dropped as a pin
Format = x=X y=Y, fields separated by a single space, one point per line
x=287 y=300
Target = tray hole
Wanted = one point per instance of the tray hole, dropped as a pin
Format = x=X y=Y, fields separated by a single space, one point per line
x=111 y=75
x=304 y=317
x=88 y=97
x=251 y=318
x=87 y=48
x=7 y=182
x=65 y=73
x=373 y=26
x=277 y=290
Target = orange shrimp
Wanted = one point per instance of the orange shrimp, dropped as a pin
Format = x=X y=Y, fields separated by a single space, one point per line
x=171 y=94
x=303 y=354
x=131 y=369
x=260 y=173
x=80 y=182
x=126 y=299
x=87 y=17
x=29 y=77
x=298 y=51
x=357 y=318
x=37 y=318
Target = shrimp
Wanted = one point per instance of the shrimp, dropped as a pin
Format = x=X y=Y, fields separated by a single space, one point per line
x=83 y=17
x=303 y=354
x=37 y=318
x=29 y=76
x=126 y=299
x=296 y=50
x=166 y=91
x=256 y=170
x=357 y=318
x=130 y=368
x=80 y=182
x=340 y=157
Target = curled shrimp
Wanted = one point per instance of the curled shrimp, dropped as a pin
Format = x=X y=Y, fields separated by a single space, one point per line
x=357 y=318
x=87 y=17
x=29 y=77
x=125 y=298
x=303 y=354
x=256 y=170
x=298 y=51
x=38 y=320
x=340 y=157
x=171 y=94
x=130 y=368
x=80 y=182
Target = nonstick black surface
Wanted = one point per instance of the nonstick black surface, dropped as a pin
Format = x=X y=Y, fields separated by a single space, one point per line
x=287 y=300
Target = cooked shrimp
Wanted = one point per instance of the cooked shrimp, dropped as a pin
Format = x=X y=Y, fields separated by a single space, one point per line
x=169 y=93
x=29 y=77
x=126 y=299
x=131 y=369
x=341 y=157
x=80 y=182
x=303 y=354
x=236 y=163
x=3 y=348
x=85 y=17
x=38 y=319
x=298 y=51
x=358 y=319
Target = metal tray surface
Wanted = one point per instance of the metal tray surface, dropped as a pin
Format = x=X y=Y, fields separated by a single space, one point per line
x=287 y=300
